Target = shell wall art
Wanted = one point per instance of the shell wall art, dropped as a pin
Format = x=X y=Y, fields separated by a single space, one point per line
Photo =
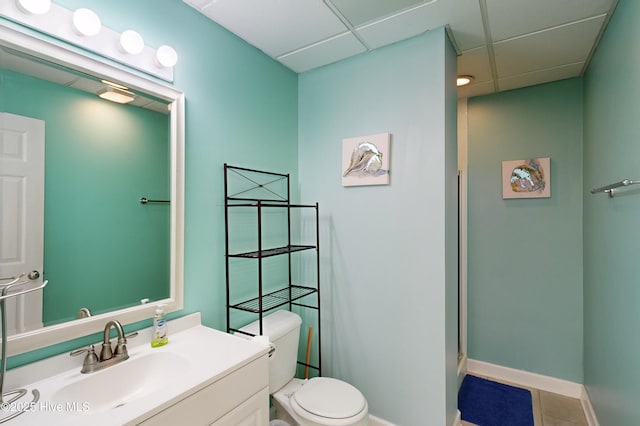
x=529 y=178
x=365 y=160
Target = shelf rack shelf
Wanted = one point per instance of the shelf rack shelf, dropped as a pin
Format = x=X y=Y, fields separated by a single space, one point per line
x=275 y=299
x=272 y=252
x=260 y=190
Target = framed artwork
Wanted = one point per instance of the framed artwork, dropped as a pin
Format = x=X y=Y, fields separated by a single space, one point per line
x=365 y=160
x=529 y=178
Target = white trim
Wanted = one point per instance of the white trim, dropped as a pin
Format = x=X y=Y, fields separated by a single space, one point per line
x=537 y=381
x=377 y=421
x=526 y=378
x=462 y=369
x=458 y=420
x=463 y=237
x=589 y=412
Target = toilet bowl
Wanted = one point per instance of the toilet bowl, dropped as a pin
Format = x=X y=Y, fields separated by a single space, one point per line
x=320 y=401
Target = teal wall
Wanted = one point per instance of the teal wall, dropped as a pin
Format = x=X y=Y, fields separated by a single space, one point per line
x=100 y=159
x=611 y=233
x=525 y=256
x=387 y=281
x=389 y=278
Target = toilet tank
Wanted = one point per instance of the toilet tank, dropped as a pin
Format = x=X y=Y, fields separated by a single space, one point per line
x=283 y=330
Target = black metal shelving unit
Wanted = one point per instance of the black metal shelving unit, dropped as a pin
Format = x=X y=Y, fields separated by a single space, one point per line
x=260 y=190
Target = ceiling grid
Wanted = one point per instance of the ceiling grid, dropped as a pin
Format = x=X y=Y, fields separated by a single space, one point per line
x=504 y=44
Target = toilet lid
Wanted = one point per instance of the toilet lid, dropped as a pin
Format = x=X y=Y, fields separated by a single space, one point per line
x=331 y=398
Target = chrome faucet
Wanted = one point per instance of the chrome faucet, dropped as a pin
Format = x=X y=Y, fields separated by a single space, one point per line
x=84 y=313
x=121 y=347
x=107 y=357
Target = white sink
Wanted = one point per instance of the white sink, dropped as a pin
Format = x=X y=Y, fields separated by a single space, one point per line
x=125 y=382
x=127 y=393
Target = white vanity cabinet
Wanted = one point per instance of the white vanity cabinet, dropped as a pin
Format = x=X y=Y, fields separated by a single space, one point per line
x=202 y=377
x=239 y=398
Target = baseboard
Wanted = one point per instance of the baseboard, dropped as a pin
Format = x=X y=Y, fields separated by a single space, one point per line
x=589 y=412
x=377 y=421
x=538 y=381
x=462 y=368
x=526 y=378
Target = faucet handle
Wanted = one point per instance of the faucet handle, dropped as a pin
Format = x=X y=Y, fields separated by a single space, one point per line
x=88 y=350
x=90 y=360
x=121 y=347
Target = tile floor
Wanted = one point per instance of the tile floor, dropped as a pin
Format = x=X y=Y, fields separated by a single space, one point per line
x=551 y=409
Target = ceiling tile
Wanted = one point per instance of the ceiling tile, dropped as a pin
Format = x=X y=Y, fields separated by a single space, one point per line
x=149 y=104
x=476 y=63
x=358 y=12
x=463 y=17
x=511 y=18
x=86 y=85
x=324 y=53
x=26 y=66
x=533 y=40
x=547 y=49
x=540 y=77
x=276 y=27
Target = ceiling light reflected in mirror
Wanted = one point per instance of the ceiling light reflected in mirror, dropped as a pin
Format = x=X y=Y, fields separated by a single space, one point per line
x=114 y=94
x=116 y=85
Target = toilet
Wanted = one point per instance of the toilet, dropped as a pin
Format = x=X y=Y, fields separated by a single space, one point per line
x=320 y=401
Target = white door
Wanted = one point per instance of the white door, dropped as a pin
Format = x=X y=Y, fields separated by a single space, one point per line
x=22 y=215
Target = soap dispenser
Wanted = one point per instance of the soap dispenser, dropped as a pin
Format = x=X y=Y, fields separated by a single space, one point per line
x=160 y=335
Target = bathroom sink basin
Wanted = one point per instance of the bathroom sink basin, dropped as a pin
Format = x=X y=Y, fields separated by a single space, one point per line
x=123 y=383
x=150 y=382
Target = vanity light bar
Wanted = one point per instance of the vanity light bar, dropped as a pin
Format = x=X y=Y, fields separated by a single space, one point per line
x=35 y=7
x=87 y=31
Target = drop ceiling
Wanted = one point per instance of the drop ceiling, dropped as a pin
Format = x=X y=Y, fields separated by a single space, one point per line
x=503 y=44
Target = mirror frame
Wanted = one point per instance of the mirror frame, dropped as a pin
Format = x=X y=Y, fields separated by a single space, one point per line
x=49 y=49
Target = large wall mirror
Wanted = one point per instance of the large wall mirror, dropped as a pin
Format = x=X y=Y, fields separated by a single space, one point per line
x=103 y=251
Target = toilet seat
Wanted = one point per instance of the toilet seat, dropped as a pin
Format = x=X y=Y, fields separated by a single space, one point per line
x=324 y=397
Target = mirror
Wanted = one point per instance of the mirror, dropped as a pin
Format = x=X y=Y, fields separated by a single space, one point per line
x=103 y=249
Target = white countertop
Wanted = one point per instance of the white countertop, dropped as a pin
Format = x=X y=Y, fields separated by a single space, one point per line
x=210 y=355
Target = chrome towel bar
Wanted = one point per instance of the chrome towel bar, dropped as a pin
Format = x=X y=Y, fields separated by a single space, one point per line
x=609 y=189
x=145 y=200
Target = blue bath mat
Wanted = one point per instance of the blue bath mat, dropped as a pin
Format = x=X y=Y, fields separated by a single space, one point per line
x=488 y=403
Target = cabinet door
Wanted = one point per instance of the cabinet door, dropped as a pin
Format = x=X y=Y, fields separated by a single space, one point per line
x=218 y=399
x=253 y=412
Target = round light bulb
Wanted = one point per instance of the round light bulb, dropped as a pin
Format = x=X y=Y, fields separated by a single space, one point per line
x=86 y=22
x=166 y=56
x=463 y=80
x=131 y=42
x=34 y=7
